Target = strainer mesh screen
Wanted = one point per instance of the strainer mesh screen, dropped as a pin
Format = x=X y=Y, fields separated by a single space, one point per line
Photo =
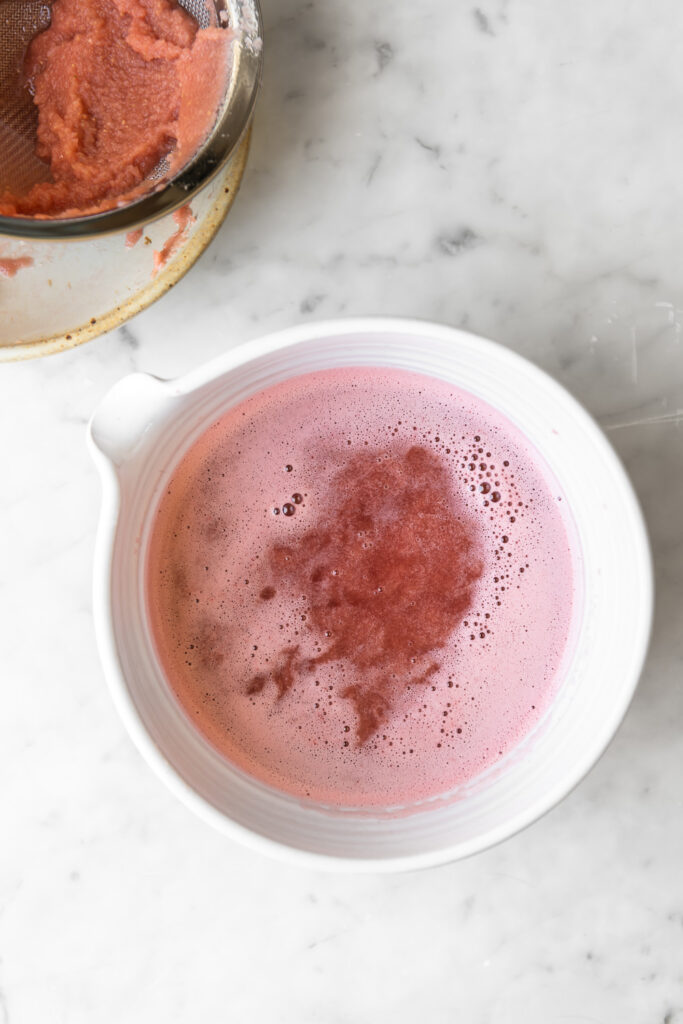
x=198 y=10
x=20 y=168
x=20 y=21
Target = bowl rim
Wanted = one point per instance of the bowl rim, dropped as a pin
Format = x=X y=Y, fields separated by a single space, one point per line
x=239 y=356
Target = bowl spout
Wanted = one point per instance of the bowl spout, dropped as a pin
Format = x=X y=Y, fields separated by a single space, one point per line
x=127 y=414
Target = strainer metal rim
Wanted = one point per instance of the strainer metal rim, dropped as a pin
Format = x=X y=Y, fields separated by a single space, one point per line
x=233 y=121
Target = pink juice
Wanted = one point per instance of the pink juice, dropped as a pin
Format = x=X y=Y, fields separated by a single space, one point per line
x=361 y=586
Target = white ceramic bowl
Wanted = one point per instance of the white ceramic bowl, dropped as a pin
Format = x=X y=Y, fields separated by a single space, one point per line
x=137 y=436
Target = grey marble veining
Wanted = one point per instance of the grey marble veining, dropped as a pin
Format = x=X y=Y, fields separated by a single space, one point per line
x=510 y=167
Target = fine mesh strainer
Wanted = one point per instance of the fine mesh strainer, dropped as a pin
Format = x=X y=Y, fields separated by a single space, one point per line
x=20 y=168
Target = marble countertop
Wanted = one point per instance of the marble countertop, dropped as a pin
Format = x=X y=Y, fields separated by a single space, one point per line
x=514 y=168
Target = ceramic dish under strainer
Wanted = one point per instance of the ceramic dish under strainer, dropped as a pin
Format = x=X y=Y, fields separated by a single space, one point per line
x=138 y=435
x=93 y=285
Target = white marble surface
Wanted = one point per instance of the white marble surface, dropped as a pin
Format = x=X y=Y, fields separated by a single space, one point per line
x=515 y=168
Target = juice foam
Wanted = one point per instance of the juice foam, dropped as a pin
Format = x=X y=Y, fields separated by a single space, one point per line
x=361 y=586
